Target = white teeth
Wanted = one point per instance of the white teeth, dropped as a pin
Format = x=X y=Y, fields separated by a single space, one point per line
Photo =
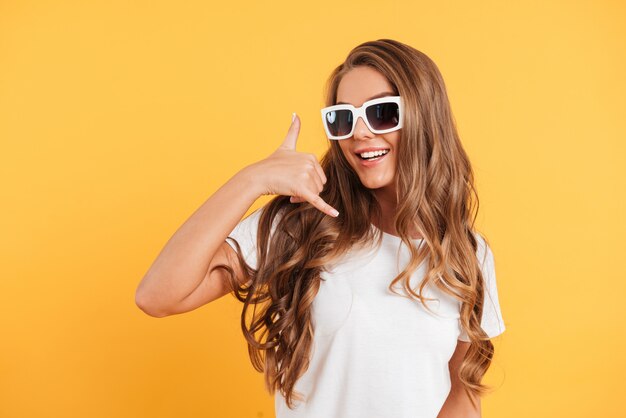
x=373 y=153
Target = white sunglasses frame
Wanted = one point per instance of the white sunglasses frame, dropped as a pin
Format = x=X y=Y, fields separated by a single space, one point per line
x=359 y=112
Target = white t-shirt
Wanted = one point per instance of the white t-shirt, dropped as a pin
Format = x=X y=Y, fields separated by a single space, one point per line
x=377 y=354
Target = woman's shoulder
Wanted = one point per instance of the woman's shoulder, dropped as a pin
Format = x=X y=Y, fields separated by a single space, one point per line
x=483 y=250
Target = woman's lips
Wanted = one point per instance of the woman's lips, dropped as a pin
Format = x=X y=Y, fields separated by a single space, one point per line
x=373 y=162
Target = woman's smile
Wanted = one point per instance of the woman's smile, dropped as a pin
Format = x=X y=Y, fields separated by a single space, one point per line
x=375 y=158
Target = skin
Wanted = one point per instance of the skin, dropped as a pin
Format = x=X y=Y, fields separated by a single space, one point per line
x=458 y=404
x=356 y=87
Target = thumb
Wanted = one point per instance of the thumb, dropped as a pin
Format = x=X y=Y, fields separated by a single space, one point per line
x=292 y=134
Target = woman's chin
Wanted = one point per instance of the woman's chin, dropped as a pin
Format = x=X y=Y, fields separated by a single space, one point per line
x=373 y=184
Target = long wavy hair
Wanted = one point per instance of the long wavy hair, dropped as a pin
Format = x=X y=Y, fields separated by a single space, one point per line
x=439 y=200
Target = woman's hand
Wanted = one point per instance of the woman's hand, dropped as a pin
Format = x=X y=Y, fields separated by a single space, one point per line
x=288 y=172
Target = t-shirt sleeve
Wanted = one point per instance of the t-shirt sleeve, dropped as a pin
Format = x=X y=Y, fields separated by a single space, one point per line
x=491 y=321
x=245 y=233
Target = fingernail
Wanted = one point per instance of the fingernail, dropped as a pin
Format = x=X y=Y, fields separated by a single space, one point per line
x=293 y=116
x=334 y=212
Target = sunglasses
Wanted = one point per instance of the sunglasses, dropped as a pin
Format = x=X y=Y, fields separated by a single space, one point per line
x=381 y=115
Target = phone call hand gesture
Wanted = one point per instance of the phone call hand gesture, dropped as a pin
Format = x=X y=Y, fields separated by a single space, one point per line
x=288 y=172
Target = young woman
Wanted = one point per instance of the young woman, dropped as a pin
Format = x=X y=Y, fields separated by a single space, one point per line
x=385 y=310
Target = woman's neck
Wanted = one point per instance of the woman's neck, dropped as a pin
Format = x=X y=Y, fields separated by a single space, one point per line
x=388 y=205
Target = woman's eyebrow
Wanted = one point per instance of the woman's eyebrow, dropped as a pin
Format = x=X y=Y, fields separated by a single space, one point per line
x=374 y=97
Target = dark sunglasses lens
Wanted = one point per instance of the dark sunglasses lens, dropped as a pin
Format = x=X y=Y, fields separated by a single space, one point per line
x=383 y=115
x=339 y=122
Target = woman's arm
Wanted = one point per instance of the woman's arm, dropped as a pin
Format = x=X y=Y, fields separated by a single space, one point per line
x=458 y=404
x=184 y=261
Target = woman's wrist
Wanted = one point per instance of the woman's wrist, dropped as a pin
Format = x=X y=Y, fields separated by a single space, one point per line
x=250 y=181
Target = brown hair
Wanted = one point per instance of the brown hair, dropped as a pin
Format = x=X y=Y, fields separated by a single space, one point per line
x=436 y=182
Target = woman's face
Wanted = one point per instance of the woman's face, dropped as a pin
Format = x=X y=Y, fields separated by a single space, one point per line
x=356 y=87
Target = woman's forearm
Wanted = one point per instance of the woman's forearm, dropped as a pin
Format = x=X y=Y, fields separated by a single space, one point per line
x=184 y=260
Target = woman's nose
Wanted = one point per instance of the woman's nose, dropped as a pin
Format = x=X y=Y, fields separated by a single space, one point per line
x=361 y=130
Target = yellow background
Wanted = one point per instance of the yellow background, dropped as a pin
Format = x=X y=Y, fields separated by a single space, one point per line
x=118 y=119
